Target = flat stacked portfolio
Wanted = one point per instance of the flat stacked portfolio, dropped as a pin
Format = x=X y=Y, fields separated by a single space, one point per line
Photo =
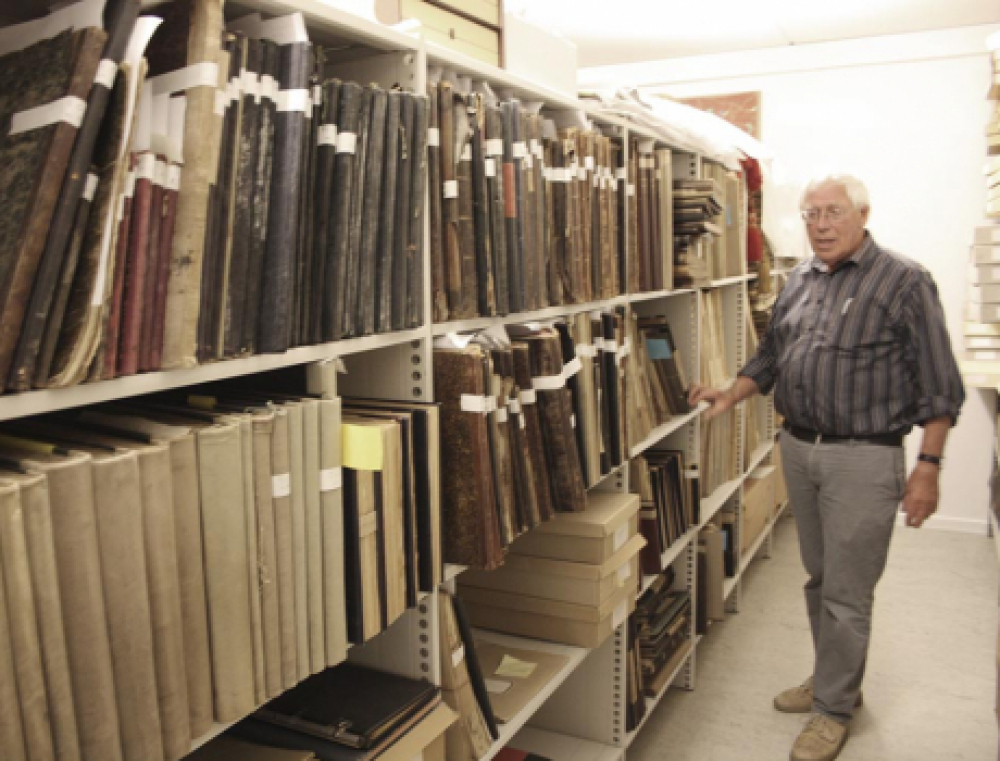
x=577 y=602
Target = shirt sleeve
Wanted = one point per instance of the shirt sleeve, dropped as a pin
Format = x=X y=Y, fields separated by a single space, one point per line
x=939 y=383
x=762 y=368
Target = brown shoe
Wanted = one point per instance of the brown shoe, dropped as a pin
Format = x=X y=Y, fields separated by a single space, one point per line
x=800 y=699
x=821 y=740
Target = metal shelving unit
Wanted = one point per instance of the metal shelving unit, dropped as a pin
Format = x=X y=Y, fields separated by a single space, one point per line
x=579 y=716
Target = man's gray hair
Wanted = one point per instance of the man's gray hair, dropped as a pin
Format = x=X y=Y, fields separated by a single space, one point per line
x=854 y=188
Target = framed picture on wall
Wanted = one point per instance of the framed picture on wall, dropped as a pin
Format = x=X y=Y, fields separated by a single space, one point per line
x=741 y=109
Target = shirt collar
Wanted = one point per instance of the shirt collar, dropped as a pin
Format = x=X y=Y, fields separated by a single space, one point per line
x=862 y=257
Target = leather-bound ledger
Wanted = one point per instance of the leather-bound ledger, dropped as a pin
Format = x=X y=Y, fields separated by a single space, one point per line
x=466 y=222
x=470 y=523
x=24 y=634
x=153 y=268
x=528 y=211
x=262 y=174
x=449 y=190
x=78 y=555
x=356 y=216
x=334 y=554
x=11 y=729
x=365 y=293
x=74 y=245
x=119 y=21
x=277 y=310
x=190 y=34
x=415 y=230
x=401 y=236
x=107 y=357
x=307 y=207
x=340 y=211
x=486 y=290
x=326 y=153
x=135 y=266
x=556 y=413
x=36 y=159
x=37 y=520
x=493 y=167
x=512 y=189
x=534 y=441
x=386 y=241
x=439 y=295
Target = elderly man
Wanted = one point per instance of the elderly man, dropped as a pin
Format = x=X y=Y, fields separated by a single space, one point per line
x=858 y=353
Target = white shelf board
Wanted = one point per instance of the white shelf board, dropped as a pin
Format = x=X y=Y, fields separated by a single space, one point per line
x=650 y=295
x=452 y=571
x=563 y=747
x=50 y=400
x=995 y=527
x=576 y=656
x=652 y=703
x=327 y=21
x=538 y=315
x=667 y=428
x=711 y=504
x=758 y=455
x=734 y=280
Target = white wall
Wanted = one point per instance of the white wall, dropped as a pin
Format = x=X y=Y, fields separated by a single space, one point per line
x=907 y=115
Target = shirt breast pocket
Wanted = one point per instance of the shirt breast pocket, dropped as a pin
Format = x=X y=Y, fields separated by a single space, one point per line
x=863 y=327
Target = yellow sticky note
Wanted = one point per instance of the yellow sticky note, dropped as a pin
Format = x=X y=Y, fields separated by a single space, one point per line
x=514 y=668
x=362 y=447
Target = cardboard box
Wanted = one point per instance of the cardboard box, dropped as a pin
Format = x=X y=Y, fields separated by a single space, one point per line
x=580 y=625
x=560 y=580
x=758 y=505
x=986 y=255
x=987 y=235
x=592 y=536
x=780 y=487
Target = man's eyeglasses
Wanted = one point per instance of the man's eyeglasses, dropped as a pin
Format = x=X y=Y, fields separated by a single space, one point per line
x=833 y=213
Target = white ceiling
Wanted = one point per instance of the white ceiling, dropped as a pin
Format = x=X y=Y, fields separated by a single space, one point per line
x=626 y=31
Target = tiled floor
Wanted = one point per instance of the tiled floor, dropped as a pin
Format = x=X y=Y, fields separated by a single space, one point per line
x=931 y=682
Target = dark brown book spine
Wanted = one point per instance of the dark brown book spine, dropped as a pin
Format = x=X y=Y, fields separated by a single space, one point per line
x=359 y=183
x=166 y=243
x=340 y=211
x=527 y=398
x=326 y=154
x=135 y=264
x=449 y=203
x=114 y=327
x=375 y=171
x=277 y=291
x=418 y=184
x=439 y=296
x=28 y=220
x=497 y=207
x=386 y=244
x=486 y=296
x=402 y=234
x=152 y=267
x=120 y=19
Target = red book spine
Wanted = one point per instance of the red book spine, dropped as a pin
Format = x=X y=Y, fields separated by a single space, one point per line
x=162 y=274
x=152 y=266
x=113 y=336
x=135 y=266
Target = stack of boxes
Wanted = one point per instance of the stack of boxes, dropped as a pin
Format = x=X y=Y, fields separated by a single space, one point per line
x=572 y=580
x=982 y=329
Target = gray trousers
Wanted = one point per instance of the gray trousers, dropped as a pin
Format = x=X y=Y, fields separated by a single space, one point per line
x=845 y=498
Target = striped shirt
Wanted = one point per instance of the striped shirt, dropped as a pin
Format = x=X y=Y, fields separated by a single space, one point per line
x=859 y=351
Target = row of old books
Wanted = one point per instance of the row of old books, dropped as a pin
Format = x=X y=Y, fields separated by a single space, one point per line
x=658 y=381
x=719 y=435
x=663 y=618
x=177 y=561
x=651 y=220
x=697 y=207
x=524 y=214
x=726 y=253
x=182 y=193
x=671 y=504
x=531 y=417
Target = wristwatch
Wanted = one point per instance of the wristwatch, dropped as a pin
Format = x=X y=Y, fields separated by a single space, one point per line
x=931 y=458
